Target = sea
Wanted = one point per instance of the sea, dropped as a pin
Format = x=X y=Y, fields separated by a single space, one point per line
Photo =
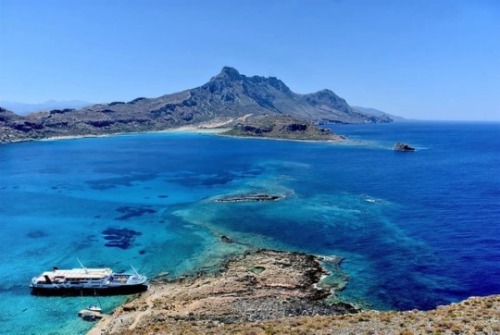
x=415 y=229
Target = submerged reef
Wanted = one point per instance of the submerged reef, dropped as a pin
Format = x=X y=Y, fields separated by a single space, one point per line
x=132 y=211
x=119 y=237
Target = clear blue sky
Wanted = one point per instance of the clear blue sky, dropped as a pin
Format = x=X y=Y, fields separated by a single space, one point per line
x=426 y=59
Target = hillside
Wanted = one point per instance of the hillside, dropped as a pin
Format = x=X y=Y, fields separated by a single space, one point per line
x=378 y=113
x=271 y=292
x=224 y=97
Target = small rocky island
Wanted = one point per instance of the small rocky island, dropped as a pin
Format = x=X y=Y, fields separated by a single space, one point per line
x=403 y=147
x=249 y=197
x=281 y=127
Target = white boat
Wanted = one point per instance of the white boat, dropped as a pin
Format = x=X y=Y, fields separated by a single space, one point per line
x=94 y=308
x=85 y=281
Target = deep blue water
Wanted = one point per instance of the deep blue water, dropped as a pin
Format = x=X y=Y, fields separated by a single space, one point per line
x=416 y=229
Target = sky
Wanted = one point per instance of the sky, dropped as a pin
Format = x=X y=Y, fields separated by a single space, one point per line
x=421 y=59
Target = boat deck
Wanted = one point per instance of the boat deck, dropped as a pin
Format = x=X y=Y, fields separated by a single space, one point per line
x=79 y=273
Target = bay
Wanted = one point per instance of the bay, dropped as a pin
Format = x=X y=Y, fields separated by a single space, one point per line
x=417 y=230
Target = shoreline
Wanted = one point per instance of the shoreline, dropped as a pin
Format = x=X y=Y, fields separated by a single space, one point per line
x=187 y=129
x=333 y=141
x=277 y=292
x=256 y=285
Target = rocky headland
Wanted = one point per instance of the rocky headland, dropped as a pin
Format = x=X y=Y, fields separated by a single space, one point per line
x=271 y=292
x=224 y=98
x=256 y=286
x=281 y=127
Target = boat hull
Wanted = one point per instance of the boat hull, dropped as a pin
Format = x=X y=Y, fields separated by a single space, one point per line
x=89 y=291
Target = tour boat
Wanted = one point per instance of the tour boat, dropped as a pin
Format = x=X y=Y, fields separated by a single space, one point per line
x=84 y=281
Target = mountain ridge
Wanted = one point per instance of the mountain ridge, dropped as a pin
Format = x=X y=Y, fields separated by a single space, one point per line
x=22 y=108
x=226 y=96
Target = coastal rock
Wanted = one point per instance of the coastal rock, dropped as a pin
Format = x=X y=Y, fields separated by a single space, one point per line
x=256 y=286
x=403 y=147
x=249 y=197
x=226 y=239
x=271 y=292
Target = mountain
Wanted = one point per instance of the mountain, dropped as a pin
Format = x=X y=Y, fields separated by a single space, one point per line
x=226 y=96
x=376 y=112
x=22 y=108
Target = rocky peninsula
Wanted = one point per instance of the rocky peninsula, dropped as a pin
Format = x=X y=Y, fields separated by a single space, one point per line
x=281 y=127
x=253 y=287
x=272 y=292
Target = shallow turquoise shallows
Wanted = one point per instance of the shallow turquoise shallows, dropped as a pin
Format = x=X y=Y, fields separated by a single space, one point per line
x=417 y=229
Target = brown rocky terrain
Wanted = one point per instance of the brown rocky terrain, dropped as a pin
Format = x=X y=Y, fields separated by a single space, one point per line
x=258 y=285
x=270 y=292
x=281 y=127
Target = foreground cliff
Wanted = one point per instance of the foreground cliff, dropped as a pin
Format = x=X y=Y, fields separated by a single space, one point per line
x=225 y=97
x=270 y=292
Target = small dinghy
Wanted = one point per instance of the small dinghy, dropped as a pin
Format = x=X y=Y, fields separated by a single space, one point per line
x=94 y=308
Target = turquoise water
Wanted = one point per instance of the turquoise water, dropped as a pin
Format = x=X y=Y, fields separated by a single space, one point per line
x=416 y=229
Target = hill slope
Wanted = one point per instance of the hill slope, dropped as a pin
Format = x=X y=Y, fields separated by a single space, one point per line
x=227 y=95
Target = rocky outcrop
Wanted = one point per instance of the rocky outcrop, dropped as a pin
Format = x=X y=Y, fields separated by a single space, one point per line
x=281 y=127
x=403 y=147
x=226 y=96
x=256 y=286
x=249 y=197
x=479 y=315
x=270 y=292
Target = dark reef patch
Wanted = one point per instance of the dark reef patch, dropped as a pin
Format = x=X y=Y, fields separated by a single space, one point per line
x=194 y=179
x=131 y=211
x=108 y=183
x=37 y=234
x=119 y=237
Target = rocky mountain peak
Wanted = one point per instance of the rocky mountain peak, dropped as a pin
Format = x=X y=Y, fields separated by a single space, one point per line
x=228 y=72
